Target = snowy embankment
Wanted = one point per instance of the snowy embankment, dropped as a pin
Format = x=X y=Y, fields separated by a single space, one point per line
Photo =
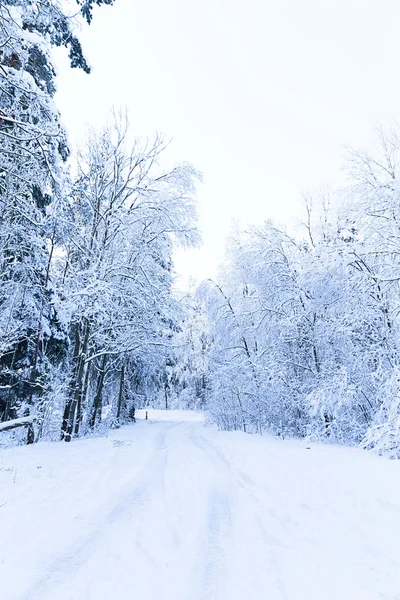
x=170 y=509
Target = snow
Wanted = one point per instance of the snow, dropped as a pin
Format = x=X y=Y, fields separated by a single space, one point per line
x=170 y=415
x=171 y=509
x=21 y=422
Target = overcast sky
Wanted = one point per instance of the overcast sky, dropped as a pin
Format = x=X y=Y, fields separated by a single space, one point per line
x=260 y=96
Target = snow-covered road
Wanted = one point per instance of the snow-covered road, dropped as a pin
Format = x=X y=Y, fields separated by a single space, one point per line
x=171 y=509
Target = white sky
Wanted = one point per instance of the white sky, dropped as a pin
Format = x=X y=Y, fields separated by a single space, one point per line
x=260 y=96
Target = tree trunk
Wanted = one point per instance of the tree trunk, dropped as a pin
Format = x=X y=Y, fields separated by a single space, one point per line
x=96 y=408
x=75 y=362
x=166 y=395
x=75 y=391
x=40 y=325
x=121 y=391
x=203 y=393
x=81 y=401
x=241 y=412
x=30 y=437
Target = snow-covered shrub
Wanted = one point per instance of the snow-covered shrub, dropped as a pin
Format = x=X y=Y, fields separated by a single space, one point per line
x=383 y=437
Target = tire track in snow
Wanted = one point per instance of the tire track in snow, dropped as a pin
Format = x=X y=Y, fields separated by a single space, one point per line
x=133 y=503
x=255 y=580
x=211 y=569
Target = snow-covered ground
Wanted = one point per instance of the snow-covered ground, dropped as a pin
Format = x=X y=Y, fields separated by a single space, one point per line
x=171 y=509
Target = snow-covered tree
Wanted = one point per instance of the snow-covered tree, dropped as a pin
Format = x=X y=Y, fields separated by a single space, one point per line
x=116 y=273
x=305 y=329
x=32 y=151
x=187 y=375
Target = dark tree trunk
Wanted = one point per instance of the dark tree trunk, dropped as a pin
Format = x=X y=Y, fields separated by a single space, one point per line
x=34 y=371
x=81 y=402
x=75 y=389
x=30 y=436
x=96 y=408
x=132 y=412
x=121 y=392
x=203 y=390
x=74 y=370
x=166 y=395
x=78 y=415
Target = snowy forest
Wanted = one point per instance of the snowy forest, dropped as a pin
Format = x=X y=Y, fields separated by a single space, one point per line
x=297 y=336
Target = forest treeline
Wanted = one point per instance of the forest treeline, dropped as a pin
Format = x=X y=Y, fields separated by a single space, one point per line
x=298 y=335
x=88 y=319
x=305 y=328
